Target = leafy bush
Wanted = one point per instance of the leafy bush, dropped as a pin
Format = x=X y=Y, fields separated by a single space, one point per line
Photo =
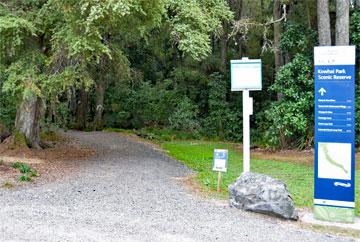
x=355 y=28
x=297 y=38
x=221 y=121
x=8 y=103
x=289 y=121
x=355 y=40
x=152 y=105
x=144 y=105
x=185 y=116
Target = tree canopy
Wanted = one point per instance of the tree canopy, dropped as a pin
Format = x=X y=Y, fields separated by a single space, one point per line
x=90 y=64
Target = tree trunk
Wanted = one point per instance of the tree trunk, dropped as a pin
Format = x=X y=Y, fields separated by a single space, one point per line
x=100 y=92
x=27 y=119
x=72 y=103
x=342 y=22
x=82 y=109
x=223 y=48
x=308 y=13
x=237 y=7
x=277 y=35
x=324 y=30
x=357 y=3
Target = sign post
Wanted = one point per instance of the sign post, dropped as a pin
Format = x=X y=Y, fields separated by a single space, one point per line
x=220 y=164
x=246 y=75
x=334 y=191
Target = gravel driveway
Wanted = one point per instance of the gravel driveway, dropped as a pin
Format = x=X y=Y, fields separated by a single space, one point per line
x=129 y=192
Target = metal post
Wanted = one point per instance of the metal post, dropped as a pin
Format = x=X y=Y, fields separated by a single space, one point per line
x=247 y=111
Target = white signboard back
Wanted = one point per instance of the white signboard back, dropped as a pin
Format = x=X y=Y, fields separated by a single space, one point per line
x=246 y=74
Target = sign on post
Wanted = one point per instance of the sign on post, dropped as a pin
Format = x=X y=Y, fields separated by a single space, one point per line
x=246 y=75
x=334 y=193
x=220 y=164
x=220 y=160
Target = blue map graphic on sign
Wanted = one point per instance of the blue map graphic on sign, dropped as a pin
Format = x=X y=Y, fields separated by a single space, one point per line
x=221 y=155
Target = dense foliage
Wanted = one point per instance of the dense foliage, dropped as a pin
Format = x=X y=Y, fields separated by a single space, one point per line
x=137 y=64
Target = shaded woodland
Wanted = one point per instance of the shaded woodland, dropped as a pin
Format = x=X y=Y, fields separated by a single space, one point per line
x=164 y=64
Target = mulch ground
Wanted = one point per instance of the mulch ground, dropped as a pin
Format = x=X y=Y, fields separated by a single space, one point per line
x=50 y=163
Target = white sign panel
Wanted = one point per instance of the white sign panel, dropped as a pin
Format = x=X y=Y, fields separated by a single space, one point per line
x=220 y=160
x=335 y=55
x=246 y=74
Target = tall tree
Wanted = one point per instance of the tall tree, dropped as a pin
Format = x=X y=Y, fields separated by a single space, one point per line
x=324 y=29
x=49 y=46
x=62 y=37
x=224 y=46
x=277 y=35
x=237 y=7
x=25 y=64
x=342 y=22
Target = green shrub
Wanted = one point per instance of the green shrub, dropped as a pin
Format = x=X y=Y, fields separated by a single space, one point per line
x=289 y=121
x=24 y=168
x=355 y=28
x=185 y=116
x=221 y=121
x=144 y=105
x=297 y=38
x=355 y=40
x=8 y=103
x=16 y=165
x=25 y=178
x=34 y=173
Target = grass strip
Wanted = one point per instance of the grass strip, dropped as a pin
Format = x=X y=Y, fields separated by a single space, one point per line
x=198 y=156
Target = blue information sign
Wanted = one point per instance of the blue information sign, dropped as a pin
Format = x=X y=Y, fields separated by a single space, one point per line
x=335 y=126
x=220 y=160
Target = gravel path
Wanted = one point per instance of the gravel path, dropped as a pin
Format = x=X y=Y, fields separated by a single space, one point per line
x=128 y=192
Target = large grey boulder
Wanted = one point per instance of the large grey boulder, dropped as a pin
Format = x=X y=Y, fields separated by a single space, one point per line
x=262 y=194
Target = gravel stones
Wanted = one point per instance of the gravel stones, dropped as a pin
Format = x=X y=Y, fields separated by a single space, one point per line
x=262 y=194
x=139 y=196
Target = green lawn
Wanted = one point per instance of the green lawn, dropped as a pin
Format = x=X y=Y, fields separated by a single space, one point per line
x=198 y=156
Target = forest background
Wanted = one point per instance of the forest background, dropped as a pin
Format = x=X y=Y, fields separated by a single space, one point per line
x=164 y=65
